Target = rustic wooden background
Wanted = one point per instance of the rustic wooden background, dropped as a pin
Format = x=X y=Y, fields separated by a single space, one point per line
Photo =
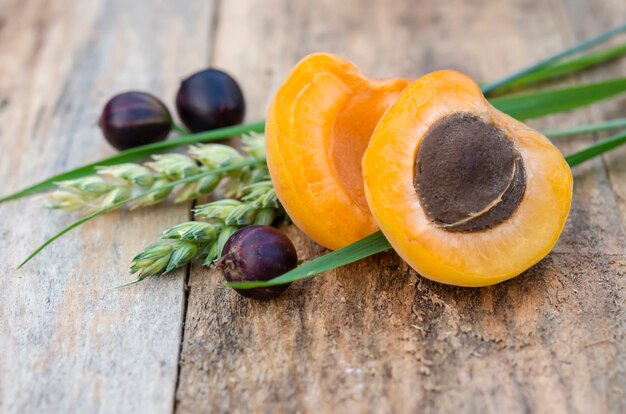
x=373 y=337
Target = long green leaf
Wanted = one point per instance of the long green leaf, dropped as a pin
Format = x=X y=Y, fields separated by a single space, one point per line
x=546 y=102
x=596 y=149
x=377 y=243
x=368 y=246
x=585 y=44
x=586 y=129
x=563 y=69
x=136 y=154
x=137 y=197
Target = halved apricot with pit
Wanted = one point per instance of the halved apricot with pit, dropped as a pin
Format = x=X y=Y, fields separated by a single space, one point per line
x=464 y=193
x=318 y=127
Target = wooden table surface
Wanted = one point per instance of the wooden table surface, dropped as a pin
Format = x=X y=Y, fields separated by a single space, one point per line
x=372 y=337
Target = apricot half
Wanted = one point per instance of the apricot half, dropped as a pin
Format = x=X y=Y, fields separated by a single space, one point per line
x=318 y=127
x=464 y=193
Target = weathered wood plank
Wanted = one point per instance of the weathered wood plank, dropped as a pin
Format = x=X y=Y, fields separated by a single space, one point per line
x=376 y=337
x=68 y=343
x=597 y=16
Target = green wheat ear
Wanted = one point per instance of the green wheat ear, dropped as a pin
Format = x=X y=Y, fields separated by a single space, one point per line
x=206 y=239
x=116 y=183
x=140 y=196
x=136 y=154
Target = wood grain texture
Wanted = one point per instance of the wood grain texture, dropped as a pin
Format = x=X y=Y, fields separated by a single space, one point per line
x=371 y=337
x=374 y=336
x=68 y=343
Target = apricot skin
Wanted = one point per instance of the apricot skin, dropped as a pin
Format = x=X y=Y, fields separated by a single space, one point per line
x=479 y=258
x=318 y=127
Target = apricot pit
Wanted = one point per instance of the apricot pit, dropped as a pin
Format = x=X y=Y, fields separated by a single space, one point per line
x=468 y=174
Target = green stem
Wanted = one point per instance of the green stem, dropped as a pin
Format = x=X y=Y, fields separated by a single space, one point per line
x=545 y=62
x=367 y=246
x=596 y=149
x=585 y=129
x=565 y=68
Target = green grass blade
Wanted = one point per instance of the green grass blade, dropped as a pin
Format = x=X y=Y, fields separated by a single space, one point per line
x=546 y=102
x=554 y=58
x=562 y=69
x=137 y=197
x=596 y=149
x=368 y=246
x=586 y=129
x=377 y=243
x=136 y=154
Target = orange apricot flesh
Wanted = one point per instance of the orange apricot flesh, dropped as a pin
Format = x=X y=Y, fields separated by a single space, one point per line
x=318 y=127
x=480 y=256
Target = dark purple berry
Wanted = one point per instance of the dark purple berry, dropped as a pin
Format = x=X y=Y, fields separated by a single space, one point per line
x=258 y=253
x=131 y=119
x=210 y=99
